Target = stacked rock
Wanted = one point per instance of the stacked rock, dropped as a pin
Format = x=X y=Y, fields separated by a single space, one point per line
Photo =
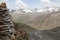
x=6 y=24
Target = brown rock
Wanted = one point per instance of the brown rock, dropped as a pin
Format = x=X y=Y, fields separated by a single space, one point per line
x=3 y=5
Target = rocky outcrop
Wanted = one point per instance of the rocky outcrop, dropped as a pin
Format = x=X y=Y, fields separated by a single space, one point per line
x=6 y=24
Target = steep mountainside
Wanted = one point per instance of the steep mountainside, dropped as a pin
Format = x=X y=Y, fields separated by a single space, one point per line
x=48 y=21
x=36 y=20
x=22 y=17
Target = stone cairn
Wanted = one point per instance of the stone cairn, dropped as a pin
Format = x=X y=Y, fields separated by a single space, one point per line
x=6 y=24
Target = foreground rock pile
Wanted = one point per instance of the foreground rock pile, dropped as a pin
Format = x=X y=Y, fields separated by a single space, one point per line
x=6 y=24
x=7 y=31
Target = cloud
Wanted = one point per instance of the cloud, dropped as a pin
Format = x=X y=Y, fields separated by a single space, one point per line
x=3 y=1
x=20 y=4
x=45 y=1
x=48 y=3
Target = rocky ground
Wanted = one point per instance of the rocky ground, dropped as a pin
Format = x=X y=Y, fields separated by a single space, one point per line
x=52 y=34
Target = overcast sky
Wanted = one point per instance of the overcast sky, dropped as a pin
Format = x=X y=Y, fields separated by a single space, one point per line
x=31 y=4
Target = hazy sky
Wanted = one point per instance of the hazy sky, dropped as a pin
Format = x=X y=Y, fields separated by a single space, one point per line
x=17 y=4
